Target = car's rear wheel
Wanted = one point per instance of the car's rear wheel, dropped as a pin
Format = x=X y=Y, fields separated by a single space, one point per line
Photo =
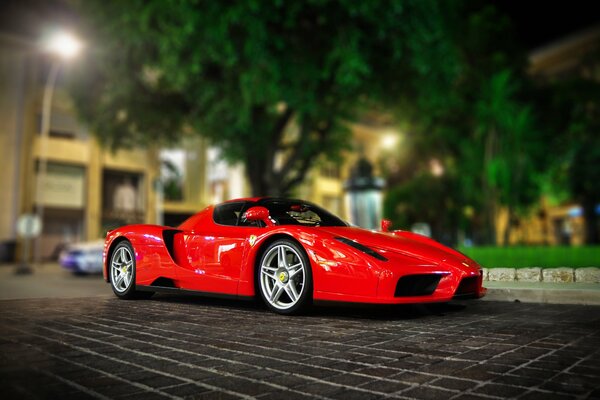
x=122 y=273
x=285 y=277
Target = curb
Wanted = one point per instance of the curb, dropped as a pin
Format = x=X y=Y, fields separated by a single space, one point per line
x=537 y=274
x=549 y=293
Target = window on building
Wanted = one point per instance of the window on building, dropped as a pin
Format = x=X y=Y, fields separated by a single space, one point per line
x=330 y=170
x=172 y=173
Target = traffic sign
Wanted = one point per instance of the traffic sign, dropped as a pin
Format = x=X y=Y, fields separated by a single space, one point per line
x=29 y=226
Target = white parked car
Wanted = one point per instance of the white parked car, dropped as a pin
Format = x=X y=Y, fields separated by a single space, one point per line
x=83 y=258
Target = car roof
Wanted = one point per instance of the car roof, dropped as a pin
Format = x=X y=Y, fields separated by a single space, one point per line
x=262 y=199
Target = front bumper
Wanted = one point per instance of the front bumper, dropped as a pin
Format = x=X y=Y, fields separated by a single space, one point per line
x=431 y=285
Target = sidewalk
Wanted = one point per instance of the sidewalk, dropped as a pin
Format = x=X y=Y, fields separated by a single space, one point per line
x=49 y=281
x=544 y=292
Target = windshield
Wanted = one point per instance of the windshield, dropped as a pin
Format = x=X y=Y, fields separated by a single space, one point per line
x=297 y=212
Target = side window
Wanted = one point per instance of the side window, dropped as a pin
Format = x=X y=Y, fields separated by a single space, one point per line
x=227 y=214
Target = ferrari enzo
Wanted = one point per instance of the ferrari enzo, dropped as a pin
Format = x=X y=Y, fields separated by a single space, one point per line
x=288 y=252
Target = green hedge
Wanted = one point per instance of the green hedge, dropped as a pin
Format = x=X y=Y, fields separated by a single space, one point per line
x=535 y=256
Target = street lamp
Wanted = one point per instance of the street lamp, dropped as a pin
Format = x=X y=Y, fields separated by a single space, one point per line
x=63 y=46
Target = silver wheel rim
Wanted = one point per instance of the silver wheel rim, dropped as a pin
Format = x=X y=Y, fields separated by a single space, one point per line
x=121 y=269
x=282 y=276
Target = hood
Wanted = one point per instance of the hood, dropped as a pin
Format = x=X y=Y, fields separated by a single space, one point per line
x=405 y=243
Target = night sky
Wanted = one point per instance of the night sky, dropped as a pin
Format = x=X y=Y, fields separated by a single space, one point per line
x=541 y=22
x=536 y=22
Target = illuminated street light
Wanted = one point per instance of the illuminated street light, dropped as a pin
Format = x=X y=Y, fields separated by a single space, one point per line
x=389 y=140
x=63 y=46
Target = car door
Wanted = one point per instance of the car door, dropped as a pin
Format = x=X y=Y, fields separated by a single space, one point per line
x=215 y=251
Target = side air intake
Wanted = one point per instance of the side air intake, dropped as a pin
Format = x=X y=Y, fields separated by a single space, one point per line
x=361 y=247
x=467 y=287
x=417 y=285
x=169 y=239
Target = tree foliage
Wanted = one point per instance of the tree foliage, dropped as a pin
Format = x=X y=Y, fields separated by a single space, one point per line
x=572 y=112
x=263 y=80
x=484 y=129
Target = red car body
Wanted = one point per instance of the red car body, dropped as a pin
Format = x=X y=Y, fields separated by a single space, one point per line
x=348 y=264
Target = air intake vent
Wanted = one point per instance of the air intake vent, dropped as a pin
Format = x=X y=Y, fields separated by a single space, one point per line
x=360 y=247
x=417 y=285
x=169 y=238
x=468 y=286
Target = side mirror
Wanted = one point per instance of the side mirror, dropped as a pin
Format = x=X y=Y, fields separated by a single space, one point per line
x=386 y=224
x=258 y=213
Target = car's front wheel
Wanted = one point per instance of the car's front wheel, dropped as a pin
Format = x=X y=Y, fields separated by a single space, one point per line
x=285 y=277
x=122 y=273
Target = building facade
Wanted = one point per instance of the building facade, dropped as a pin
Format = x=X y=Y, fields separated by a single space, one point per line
x=87 y=189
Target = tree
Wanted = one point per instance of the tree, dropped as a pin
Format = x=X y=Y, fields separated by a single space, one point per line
x=263 y=80
x=484 y=128
x=572 y=106
x=425 y=198
x=512 y=150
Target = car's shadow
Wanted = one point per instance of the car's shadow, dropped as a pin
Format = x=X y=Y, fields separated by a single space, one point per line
x=327 y=309
x=384 y=312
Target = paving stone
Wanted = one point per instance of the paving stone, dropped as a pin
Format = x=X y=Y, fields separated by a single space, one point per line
x=318 y=388
x=152 y=379
x=587 y=275
x=288 y=380
x=534 y=373
x=453 y=384
x=285 y=395
x=558 y=275
x=427 y=392
x=557 y=386
x=471 y=396
x=528 y=274
x=239 y=385
x=446 y=367
x=177 y=346
x=539 y=395
x=518 y=380
x=385 y=386
x=504 y=391
x=414 y=377
x=350 y=394
x=478 y=373
x=378 y=371
x=349 y=379
x=186 y=390
x=501 y=274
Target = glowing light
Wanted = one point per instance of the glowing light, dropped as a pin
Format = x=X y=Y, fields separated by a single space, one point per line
x=436 y=167
x=389 y=140
x=64 y=44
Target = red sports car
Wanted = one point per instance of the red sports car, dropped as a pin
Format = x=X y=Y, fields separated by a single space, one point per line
x=289 y=252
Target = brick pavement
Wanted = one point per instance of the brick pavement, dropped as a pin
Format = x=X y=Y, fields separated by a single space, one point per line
x=172 y=347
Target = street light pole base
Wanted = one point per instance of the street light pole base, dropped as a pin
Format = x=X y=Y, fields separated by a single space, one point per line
x=23 y=269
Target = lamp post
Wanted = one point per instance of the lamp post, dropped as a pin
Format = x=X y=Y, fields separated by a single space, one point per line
x=63 y=46
x=363 y=195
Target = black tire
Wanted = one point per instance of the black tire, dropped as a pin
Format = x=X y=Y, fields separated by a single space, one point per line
x=122 y=269
x=282 y=286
